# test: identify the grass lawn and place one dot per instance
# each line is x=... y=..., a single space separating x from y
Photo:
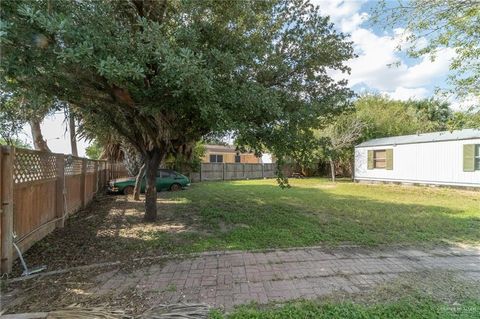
x=258 y=214
x=426 y=296
x=406 y=308
x=414 y=296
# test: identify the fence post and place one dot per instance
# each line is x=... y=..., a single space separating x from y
x=223 y=172
x=60 y=190
x=95 y=167
x=105 y=173
x=1 y=208
x=109 y=170
x=8 y=156
x=263 y=168
x=82 y=182
x=243 y=169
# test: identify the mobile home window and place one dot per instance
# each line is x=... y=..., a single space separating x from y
x=380 y=159
x=216 y=158
x=477 y=157
x=237 y=158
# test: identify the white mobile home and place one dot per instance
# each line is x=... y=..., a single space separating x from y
x=441 y=158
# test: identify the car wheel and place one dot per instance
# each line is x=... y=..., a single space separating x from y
x=175 y=187
x=128 y=190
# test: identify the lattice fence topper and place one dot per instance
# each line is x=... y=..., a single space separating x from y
x=30 y=166
x=90 y=166
x=73 y=166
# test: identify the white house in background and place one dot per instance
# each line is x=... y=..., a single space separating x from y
x=440 y=158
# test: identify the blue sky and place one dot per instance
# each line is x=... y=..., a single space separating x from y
x=376 y=47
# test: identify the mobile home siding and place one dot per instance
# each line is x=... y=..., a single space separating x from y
x=440 y=162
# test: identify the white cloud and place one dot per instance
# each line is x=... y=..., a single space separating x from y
x=425 y=71
x=344 y=14
x=403 y=93
x=375 y=53
x=376 y=65
x=379 y=65
x=349 y=25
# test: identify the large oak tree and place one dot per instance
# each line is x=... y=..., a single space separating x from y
x=162 y=74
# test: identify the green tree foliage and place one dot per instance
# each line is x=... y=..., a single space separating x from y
x=435 y=24
x=468 y=119
x=337 y=140
x=162 y=74
x=11 y=119
x=19 y=107
x=189 y=164
x=433 y=112
x=15 y=142
x=94 y=150
x=383 y=116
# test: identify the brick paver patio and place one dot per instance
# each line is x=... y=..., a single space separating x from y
x=231 y=278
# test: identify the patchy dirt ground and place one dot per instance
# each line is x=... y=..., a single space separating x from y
x=110 y=229
x=70 y=289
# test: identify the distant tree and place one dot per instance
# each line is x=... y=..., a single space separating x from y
x=215 y=140
x=17 y=108
x=338 y=139
x=15 y=142
x=436 y=113
x=462 y=120
x=94 y=150
x=163 y=74
x=431 y=25
x=11 y=119
x=187 y=164
x=384 y=116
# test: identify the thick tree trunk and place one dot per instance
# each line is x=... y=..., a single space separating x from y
x=152 y=161
x=332 y=168
x=138 y=182
x=73 y=134
x=38 y=142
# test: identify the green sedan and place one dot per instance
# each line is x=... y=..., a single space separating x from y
x=166 y=180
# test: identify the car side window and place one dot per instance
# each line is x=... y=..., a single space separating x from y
x=164 y=174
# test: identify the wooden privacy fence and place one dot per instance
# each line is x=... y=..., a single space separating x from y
x=230 y=171
x=38 y=190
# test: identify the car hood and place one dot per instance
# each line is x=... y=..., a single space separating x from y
x=123 y=179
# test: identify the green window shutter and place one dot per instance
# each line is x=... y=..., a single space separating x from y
x=370 y=159
x=389 y=164
x=468 y=157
